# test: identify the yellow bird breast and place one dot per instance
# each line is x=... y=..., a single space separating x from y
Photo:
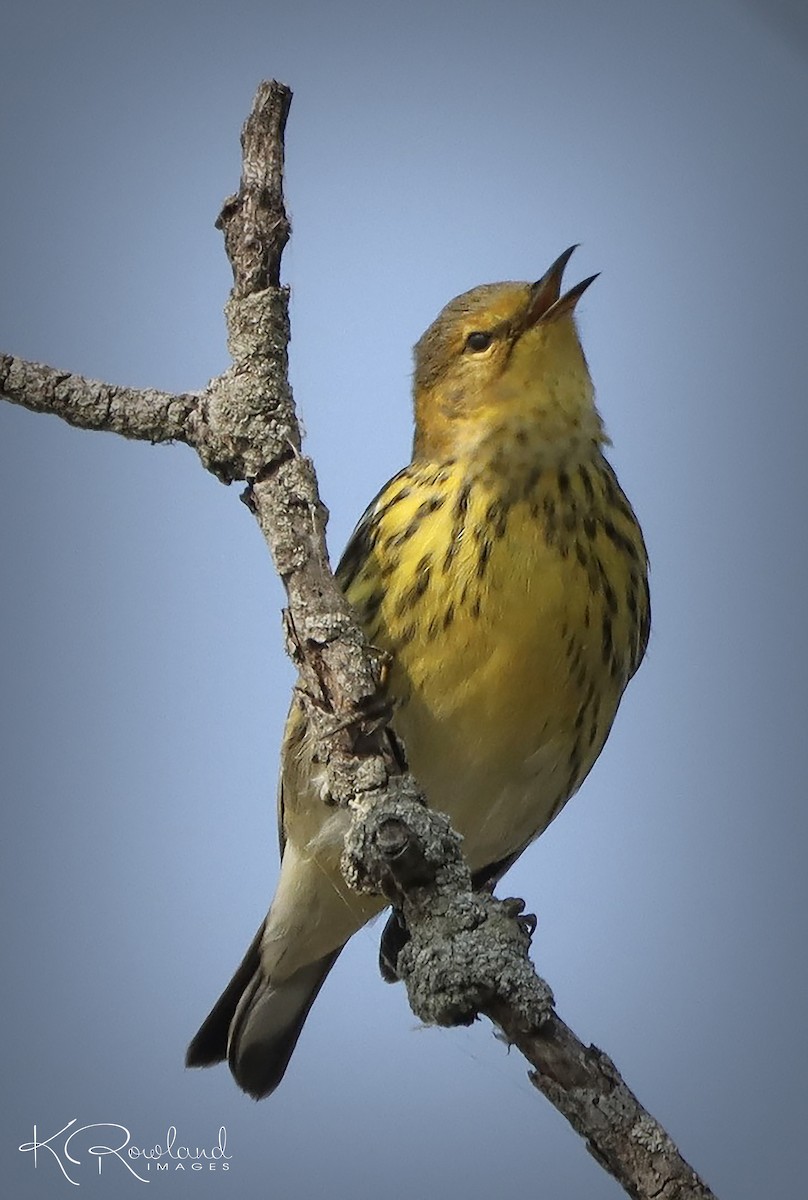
x=508 y=615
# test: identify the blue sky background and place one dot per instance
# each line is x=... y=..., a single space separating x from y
x=431 y=147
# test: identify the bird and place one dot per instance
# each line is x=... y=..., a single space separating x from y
x=505 y=575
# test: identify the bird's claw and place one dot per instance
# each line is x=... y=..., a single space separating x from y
x=527 y=921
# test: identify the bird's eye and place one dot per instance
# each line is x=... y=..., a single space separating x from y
x=477 y=341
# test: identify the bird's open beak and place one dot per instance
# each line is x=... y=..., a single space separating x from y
x=546 y=302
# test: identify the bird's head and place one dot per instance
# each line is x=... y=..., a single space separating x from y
x=503 y=364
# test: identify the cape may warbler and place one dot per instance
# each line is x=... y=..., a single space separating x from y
x=506 y=575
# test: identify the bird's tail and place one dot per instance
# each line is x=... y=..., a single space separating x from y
x=256 y=1022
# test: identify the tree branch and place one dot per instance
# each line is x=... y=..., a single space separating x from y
x=88 y=404
x=585 y=1086
x=468 y=952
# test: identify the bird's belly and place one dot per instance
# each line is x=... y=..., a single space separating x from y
x=502 y=774
x=504 y=717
